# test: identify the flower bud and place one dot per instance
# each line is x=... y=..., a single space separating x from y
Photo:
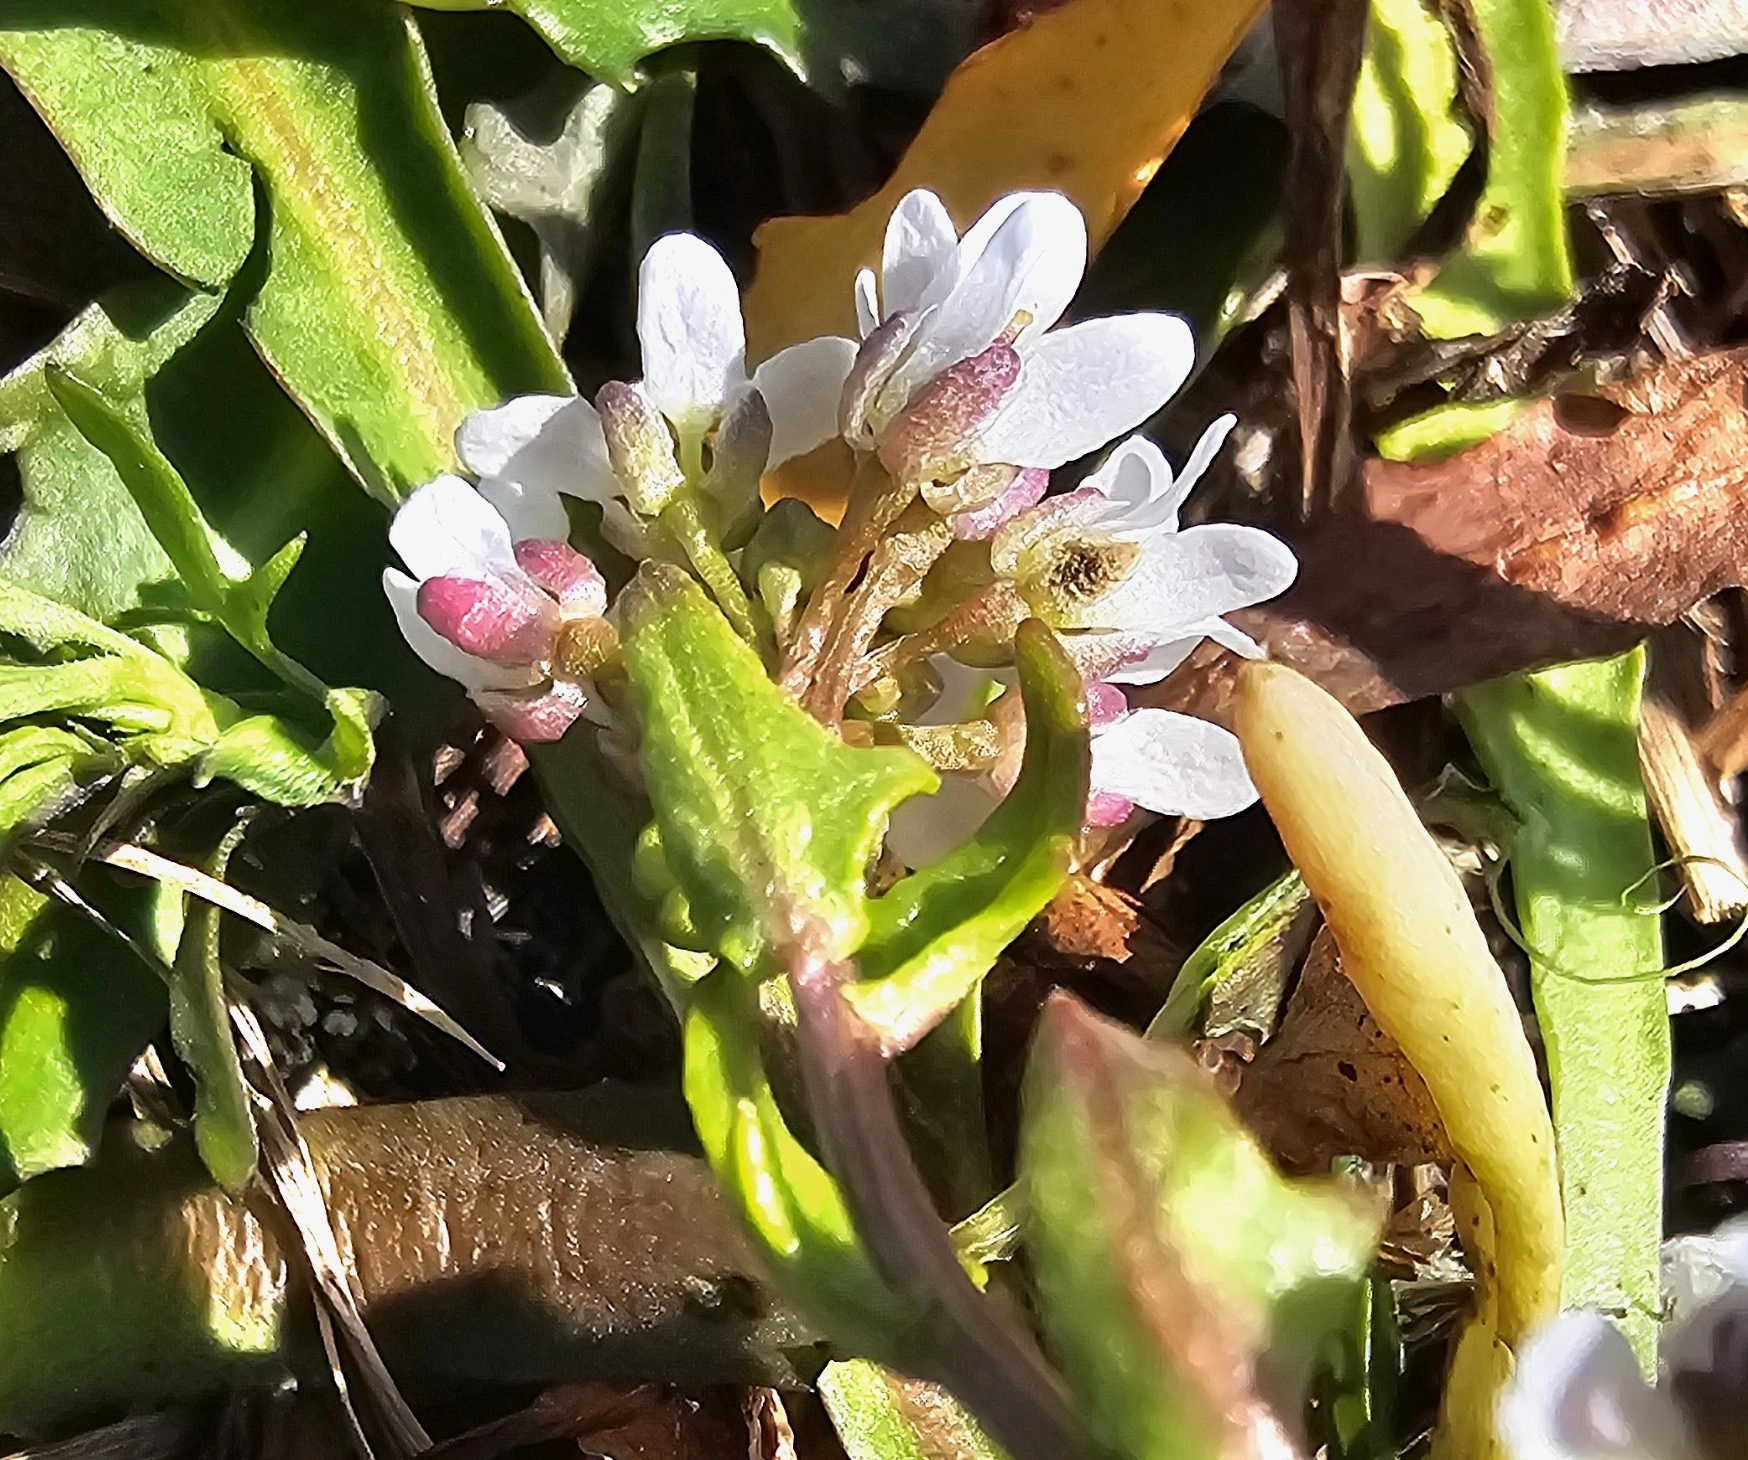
x=505 y=622
x=868 y=373
x=932 y=434
x=534 y=717
x=639 y=447
x=739 y=454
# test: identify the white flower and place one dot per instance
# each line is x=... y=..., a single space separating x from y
x=1133 y=593
x=970 y=319
x=516 y=621
x=533 y=448
x=1170 y=764
x=1578 y=1394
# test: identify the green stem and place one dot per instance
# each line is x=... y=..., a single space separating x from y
x=1561 y=748
x=685 y=523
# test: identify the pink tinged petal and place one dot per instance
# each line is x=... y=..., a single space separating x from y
x=1186 y=577
x=867 y=303
x=536 y=717
x=689 y=326
x=447 y=527
x=925 y=828
x=505 y=622
x=1577 y=1392
x=1024 y=493
x=1088 y=384
x=1126 y=658
x=934 y=430
x=1172 y=764
x=803 y=387
x=567 y=575
x=921 y=245
x=1105 y=704
x=1104 y=809
x=1028 y=264
x=437 y=652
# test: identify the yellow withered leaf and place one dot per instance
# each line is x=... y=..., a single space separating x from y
x=1086 y=99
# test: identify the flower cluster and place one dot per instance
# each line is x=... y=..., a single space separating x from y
x=962 y=395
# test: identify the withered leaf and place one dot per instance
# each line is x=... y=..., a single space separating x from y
x=1567 y=535
x=1332 y=1083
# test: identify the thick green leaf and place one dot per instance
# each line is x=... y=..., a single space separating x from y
x=880 y=1415
x=1159 y=1229
x=764 y=815
x=934 y=935
x=79 y=538
x=1561 y=748
x=273 y=760
x=386 y=304
x=789 y=1202
x=200 y=1028
x=75 y=1011
x=608 y=40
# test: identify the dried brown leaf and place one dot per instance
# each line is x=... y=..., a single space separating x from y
x=1332 y=1083
x=1567 y=535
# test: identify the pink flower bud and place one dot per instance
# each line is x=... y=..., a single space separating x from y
x=1105 y=704
x=504 y=622
x=935 y=431
x=566 y=574
x=1104 y=809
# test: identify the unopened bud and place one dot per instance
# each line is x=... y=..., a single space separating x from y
x=933 y=434
x=507 y=623
x=566 y=574
x=739 y=453
x=868 y=372
x=1105 y=704
x=639 y=446
x=585 y=647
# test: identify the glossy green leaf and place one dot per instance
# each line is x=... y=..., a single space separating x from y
x=880 y=1415
x=935 y=934
x=79 y=538
x=608 y=40
x=75 y=1012
x=386 y=302
x=763 y=813
x=1158 y=1226
x=789 y=1202
x=1561 y=748
x=200 y=1028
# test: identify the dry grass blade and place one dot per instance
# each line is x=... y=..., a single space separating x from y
x=191 y=880
x=291 y=1171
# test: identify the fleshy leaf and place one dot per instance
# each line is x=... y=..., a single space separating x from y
x=388 y=305
x=75 y=1011
x=763 y=812
x=200 y=1028
x=880 y=1415
x=934 y=935
x=1170 y=1255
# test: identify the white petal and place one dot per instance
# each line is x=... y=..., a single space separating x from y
x=447 y=527
x=540 y=445
x=867 y=303
x=689 y=325
x=803 y=387
x=1085 y=385
x=1156 y=663
x=921 y=244
x=1199 y=573
x=487 y=440
x=1134 y=474
x=437 y=652
x=925 y=828
x=1577 y=1393
x=529 y=513
x=1030 y=261
x=1176 y=765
